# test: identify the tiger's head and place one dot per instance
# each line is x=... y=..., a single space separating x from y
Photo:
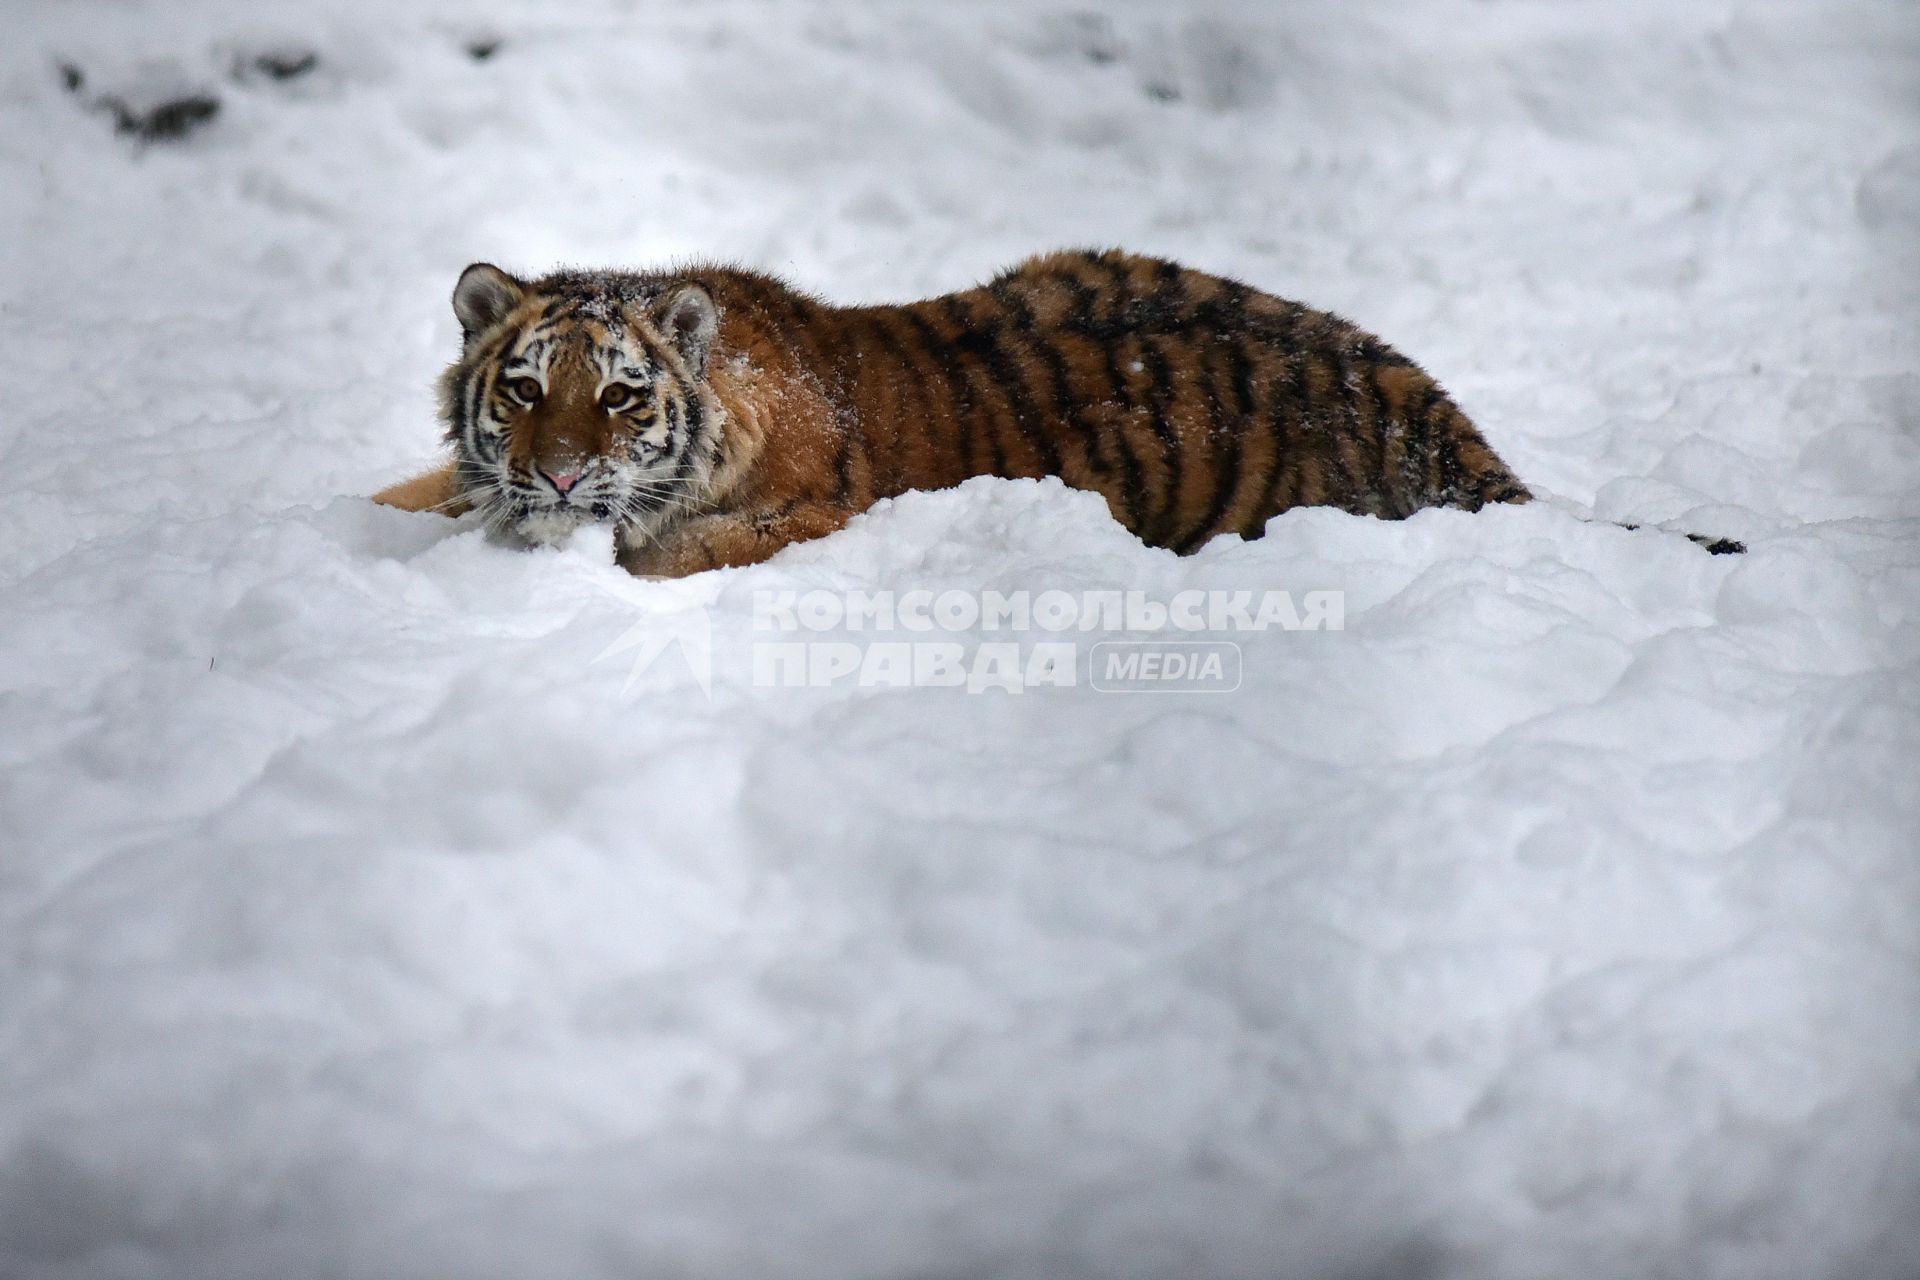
x=581 y=397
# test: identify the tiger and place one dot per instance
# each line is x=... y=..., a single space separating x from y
x=714 y=415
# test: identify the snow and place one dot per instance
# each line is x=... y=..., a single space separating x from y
x=365 y=912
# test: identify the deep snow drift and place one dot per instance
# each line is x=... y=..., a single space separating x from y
x=1560 y=916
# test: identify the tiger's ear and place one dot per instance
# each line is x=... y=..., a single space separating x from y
x=483 y=297
x=688 y=319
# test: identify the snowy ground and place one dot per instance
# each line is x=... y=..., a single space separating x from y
x=1559 y=917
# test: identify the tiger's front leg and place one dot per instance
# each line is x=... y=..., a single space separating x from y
x=729 y=540
x=435 y=491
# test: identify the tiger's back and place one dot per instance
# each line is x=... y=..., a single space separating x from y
x=1193 y=404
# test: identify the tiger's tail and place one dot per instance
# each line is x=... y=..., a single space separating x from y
x=1715 y=546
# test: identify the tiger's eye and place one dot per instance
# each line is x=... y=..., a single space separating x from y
x=616 y=396
x=526 y=390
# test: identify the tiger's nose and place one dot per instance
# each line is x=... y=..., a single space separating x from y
x=561 y=480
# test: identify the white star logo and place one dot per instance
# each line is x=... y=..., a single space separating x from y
x=674 y=615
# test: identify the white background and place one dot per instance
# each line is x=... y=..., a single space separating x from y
x=1559 y=917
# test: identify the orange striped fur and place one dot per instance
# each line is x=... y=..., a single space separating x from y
x=716 y=415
